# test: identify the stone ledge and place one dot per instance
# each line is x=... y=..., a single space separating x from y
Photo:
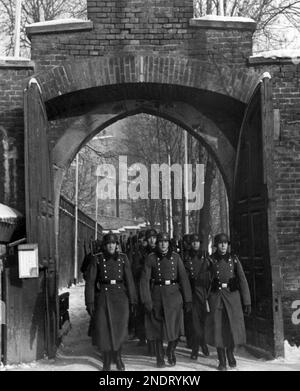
x=59 y=26
x=281 y=56
x=16 y=63
x=223 y=22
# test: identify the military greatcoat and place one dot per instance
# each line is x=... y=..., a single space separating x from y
x=197 y=267
x=164 y=287
x=110 y=276
x=229 y=290
x=138 y=261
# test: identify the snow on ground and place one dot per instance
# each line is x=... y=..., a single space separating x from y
x=77 y=353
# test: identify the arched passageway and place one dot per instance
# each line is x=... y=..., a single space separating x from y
x=68 y=105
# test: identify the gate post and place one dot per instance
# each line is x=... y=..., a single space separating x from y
x=269 y=179
x=40 y=206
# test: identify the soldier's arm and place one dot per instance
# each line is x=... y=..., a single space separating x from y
x=91 y=275
x=244 y=287
x=129 y=281
x=145 y=282
x=184 y=281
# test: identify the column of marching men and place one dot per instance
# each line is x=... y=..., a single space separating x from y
x=157 y=290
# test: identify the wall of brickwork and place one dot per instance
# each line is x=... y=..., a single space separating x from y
x=286 y=100
x=13 y=75
x=165 y=28
x=150 y=27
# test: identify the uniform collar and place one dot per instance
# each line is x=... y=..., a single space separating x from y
x=167 y=255
x=220 y=257
x=193 y=253
x=114 y=256
x=149 y=249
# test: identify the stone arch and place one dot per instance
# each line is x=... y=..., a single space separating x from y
x=115 y=87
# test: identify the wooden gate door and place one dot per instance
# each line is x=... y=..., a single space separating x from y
x=40 y=207
x=253 y=214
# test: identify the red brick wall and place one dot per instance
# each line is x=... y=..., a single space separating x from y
x=150 y=27
x=287 y=164
x=286 y=96
x=12 y=84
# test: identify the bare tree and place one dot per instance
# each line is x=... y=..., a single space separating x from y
x=36 y=11
x=268 y=14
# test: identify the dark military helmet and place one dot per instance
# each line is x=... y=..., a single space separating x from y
x=186 y=238
x=110 y=238
x=195 y=238
x=163 y=236
x=221 y=238
x=150 y=232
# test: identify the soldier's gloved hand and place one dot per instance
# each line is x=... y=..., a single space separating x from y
x=188 y=307
x=148 y=307
x=247 y=309
x=90 y=309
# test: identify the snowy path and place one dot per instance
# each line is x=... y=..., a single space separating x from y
x=77 y=354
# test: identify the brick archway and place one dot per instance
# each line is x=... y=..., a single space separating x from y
x=80 y=88
x=88 y=95
x=128 y=69
x=82 y=98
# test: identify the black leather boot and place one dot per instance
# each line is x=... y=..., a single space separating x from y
x=160 y=354
x=195 y=352
x=171 y=353
x=119 y=363
x=106 y=361
x=230 y=357
x=151 y=348
x=205 y=350
x=222 y=359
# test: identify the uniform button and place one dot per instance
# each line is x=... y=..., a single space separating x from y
x=220 y=288
x=106 y=289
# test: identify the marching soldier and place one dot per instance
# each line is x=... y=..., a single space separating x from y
x=110 y=274
x=95 y=248
x=225 y=327
x=163 y=283
x=197 y=267
x=138 y=261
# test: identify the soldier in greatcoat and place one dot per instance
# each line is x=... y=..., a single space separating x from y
x=109 y=273
x=197 y=266
x=225 y=327
x=138 y=261
x=164 y=287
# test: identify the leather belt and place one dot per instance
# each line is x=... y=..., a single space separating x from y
x=165 y=282
x=111 y=282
